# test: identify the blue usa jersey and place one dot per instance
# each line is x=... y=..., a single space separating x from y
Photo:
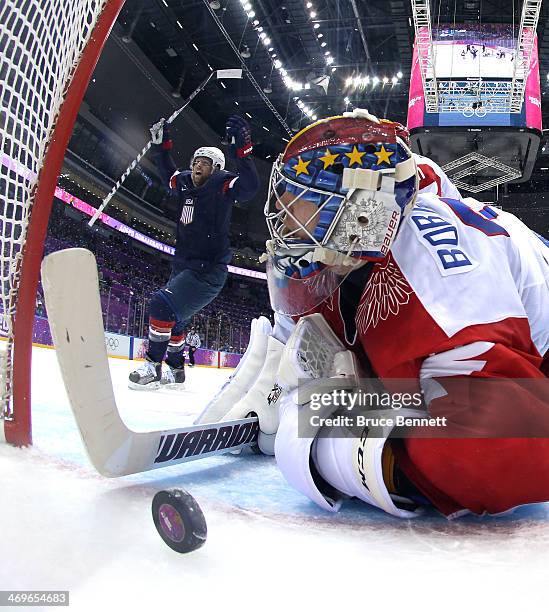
x=204 y=213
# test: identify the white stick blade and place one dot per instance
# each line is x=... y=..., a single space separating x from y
x=71 y=291
x=230 y=73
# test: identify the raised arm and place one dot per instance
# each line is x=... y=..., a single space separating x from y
x=161 y=152
x=246 y=185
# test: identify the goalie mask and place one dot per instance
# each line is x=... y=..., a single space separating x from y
x=337 y=197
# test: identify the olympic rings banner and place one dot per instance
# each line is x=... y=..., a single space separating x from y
x=117 y=345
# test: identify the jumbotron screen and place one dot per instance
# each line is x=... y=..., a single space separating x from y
x=479 y=51
x=466 y=55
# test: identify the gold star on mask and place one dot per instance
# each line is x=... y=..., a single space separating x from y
x=328 y=159
x=355 y=156
x=383 y=156
x=301 y=167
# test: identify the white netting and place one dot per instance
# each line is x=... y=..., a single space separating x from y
x=41 y=42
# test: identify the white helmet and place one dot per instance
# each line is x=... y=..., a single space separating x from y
x=212 y=153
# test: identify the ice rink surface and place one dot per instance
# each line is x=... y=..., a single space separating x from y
x=65 y=527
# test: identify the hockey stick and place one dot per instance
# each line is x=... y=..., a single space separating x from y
x=231 y=73
x=71 y=290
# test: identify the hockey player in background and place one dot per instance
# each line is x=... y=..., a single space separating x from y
x=389 y=282
x=205 y=195
x=192 y=342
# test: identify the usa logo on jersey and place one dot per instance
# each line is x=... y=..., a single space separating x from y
x=187 y=211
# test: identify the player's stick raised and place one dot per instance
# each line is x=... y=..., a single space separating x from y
x=231 y=73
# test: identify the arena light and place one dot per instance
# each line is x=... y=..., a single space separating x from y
x=313 y=15
x=264 y=37
x=359 y=81
x=399 y=75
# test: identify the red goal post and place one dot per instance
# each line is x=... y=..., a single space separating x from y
x=48 y=51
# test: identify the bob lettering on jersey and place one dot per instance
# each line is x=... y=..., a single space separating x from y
x=442 y=241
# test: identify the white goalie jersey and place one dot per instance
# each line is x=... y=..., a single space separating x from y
x=433 y=179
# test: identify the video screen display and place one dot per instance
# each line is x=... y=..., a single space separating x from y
x=474 y=66
x=475 y=51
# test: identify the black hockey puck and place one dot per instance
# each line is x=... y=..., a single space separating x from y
x=179 y=520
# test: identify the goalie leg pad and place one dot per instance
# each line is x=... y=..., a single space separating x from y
x=262 y=398
x=353 y=466
x=242 y=379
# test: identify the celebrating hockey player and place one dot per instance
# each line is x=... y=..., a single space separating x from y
x=403 y=285
x=205 y=195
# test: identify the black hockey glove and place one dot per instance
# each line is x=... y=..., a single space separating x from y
x=239 y=135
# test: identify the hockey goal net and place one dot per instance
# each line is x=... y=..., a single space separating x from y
x=48 y=50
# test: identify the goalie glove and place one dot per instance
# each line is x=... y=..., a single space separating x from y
x=239 y=136
x=160 y=134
